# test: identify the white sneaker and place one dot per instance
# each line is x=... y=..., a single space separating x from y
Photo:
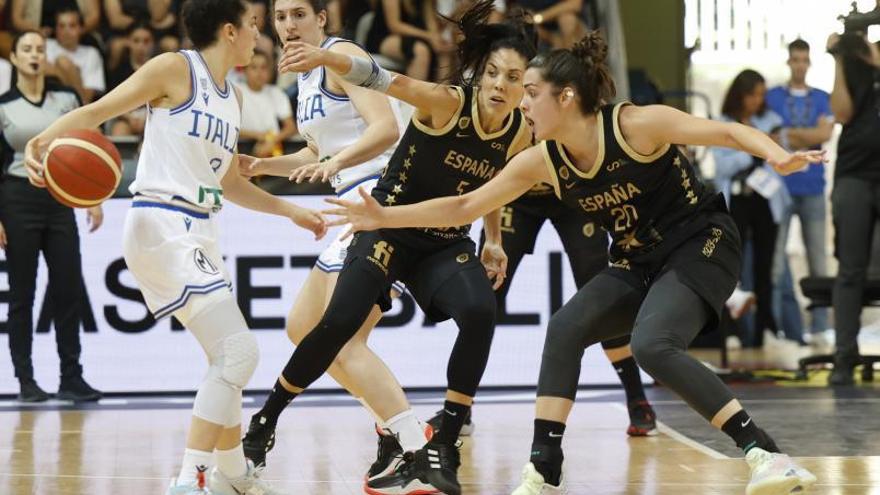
x=739 y=302
x=185 y=489
x=776 y=474
x=533 y=483
x=249 y=484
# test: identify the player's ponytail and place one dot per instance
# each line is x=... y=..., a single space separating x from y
x=479 y=39
x=583 y=68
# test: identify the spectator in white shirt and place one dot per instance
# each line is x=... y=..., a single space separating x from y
x=78 y=66
x=267 y=116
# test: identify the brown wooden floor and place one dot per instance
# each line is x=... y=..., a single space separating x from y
x=325 y=450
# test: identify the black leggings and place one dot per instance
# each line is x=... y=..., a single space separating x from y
x=466 y=297
x=662 y=319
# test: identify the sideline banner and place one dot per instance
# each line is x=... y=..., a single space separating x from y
x=125 y=350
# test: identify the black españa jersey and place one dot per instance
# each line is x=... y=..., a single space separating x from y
x=642 y=201
x=460 y=157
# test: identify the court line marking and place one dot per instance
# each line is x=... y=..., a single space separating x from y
x=675 y=435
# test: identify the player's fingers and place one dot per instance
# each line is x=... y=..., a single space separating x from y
x=339 y=202
x=337 y=222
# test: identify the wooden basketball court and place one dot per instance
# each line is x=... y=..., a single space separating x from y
x=133 y=446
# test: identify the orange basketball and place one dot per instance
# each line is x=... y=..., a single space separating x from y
x=82 y=168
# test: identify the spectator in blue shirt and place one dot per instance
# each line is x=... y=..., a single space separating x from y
x=807 y=122
x=754 y=192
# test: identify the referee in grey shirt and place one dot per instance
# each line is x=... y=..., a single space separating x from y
x=32 y=221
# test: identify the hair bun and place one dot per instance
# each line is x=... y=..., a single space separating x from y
x=592 y=49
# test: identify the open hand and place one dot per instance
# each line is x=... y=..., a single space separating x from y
x=314 y=172
x=365 y=215
x=300 y=57
x=796 y=161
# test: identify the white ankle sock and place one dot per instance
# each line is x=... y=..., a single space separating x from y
x=410 y=433
x=231 y=462
x=191 y=459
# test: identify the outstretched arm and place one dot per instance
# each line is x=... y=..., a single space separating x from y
x=150 y=83
x=655 y=125
x=243 y=193
x=435 y=101
x=523 y=172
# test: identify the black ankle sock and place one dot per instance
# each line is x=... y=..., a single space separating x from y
x=548 y=433
x=628 y=373
x=547 y=450
x=746 y=433
x=454 y=416
x=278 y=399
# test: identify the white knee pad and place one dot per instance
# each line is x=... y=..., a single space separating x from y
x=233 y=356
x=239 y=359
x=233 y=361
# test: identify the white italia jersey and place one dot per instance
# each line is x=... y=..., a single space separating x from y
x=332 y=123
x=187 y=149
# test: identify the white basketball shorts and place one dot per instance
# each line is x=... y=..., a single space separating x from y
x=171 y=250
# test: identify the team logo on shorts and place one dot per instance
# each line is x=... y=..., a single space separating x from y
x=462 y=258
x=382 y=255
x=203 y=263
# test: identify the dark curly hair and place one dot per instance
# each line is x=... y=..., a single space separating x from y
x=202 y=19
x=481 y=39
x=581 y=67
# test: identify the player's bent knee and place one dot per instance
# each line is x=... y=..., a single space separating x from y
x=650 y=352
x=240 y=357
x=563 y=337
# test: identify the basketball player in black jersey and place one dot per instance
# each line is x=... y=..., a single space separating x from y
x=586 y=246
x=459 y=138
x=674 y=255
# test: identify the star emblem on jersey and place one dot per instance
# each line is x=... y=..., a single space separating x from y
x=390 y=199
x=403 y=177
x=407 y=163
x=412 y=149
x=677 y=161
x=203 y=263
x=398 y=189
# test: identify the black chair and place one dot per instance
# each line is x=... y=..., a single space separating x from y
x=818 y=290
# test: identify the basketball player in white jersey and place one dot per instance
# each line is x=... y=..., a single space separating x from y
x=351 y=133
x=170 y=238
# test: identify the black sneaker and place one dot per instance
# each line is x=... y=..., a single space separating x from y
x=842 y=375
x=77 y=390
x=31 y=392
x=389 y=455
x=431 y=469
x=467 y=429
x=258 y=441
x=642 y=420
